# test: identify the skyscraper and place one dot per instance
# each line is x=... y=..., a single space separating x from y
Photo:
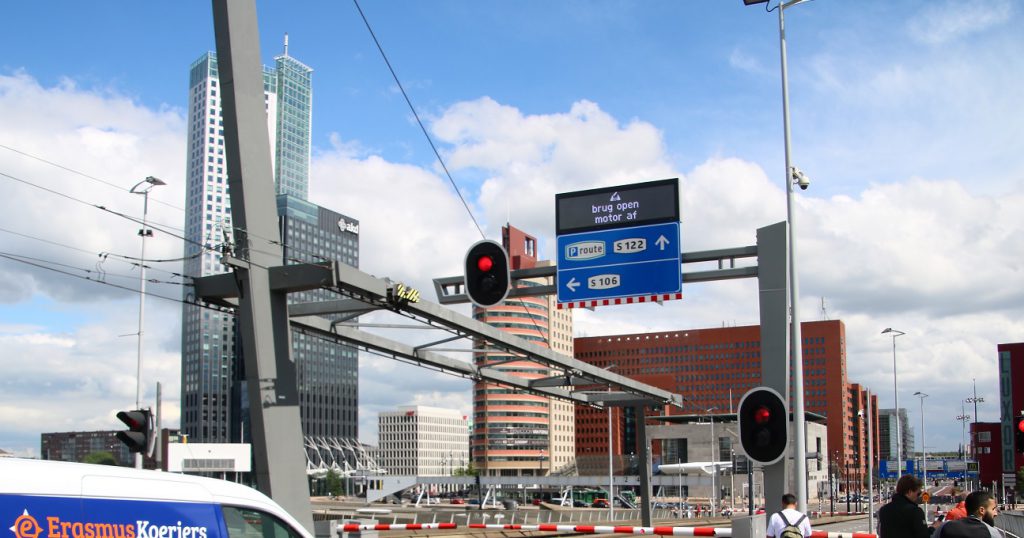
x=213 y=396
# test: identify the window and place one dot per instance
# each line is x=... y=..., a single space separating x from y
x=250 y=523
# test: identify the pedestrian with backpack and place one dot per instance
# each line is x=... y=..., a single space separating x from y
x=788 y=522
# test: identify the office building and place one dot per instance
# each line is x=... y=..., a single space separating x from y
x=515 y=433
x=213 y=396
x=887 y=436
x=712 y=369
x=422 y=441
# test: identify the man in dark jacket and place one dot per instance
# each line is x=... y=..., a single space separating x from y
x=902 y=517
x=980 y=521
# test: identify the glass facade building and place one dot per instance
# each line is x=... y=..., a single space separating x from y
x=213 y=397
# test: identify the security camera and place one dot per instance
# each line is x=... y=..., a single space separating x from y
x=801 y=178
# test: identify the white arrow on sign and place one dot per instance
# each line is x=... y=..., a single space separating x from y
x=615 y=197
x=572 y=284
x=662 y=242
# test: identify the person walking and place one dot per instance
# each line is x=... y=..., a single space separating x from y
x=980 y=521
x=788 y=522
x=902 y=517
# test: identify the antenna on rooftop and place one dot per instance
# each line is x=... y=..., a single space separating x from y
x=824 y=310
x=286 y=43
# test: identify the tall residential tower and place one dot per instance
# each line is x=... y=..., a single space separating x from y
x=213 y=398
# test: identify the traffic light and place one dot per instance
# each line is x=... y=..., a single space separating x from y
x=764 y=425
x=487 y=277
x=137 y=435
x=1020 y=434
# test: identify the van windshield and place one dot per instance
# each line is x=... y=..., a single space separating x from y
x=250 y=523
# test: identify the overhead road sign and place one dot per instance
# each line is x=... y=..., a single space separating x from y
x=617 y=207
x=618 y=245
x=619 y=263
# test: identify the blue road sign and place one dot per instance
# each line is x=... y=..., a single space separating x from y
x=621 y=262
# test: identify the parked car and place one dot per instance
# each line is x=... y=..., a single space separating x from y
x=579 y=504
x=473 y=502
x=458 y=500
x=600 y=503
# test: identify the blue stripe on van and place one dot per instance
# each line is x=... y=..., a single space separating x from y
x=36 y=516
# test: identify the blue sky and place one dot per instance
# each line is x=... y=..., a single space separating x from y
x=906 y=115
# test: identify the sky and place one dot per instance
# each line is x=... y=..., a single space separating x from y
x=906 y=116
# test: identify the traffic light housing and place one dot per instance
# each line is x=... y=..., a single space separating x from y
x=487 y=276
x=1020 y=434
x=136 y=438
x=763 y=420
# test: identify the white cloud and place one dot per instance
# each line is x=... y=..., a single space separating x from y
x=940 y=22
x=739 y=59
x=931 y=254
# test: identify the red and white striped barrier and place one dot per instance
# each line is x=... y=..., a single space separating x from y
x=608 y=529
x=824 y=534
x=354 y=527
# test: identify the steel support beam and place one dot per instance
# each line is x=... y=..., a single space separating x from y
x=278 y=453
x=772 y=286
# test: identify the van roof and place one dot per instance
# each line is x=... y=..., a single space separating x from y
x=57 y=478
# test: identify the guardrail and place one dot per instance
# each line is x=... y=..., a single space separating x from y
x=580 y=529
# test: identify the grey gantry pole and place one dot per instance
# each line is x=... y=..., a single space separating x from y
x=278 y=452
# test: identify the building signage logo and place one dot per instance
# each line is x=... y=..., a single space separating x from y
x=346 y=226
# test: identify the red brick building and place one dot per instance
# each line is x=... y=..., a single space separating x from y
x=712 y=369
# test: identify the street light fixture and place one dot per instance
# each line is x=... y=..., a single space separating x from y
x=896 y=401
x=793 y=175
x=974 y=435
x=924 y=454
x=146 y=186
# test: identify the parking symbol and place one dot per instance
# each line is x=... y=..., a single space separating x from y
x=573 y=252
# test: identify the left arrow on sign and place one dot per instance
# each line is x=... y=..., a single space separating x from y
x=572 y=284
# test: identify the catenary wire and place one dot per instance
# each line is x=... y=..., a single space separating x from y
x=131 y=260
x=80 y=173
x=101 y=275
x=418 y=121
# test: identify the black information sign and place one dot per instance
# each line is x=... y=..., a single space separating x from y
x=617 y=207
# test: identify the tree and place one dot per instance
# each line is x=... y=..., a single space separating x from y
x=333 y=482
x=100 y=458
x=468 y=470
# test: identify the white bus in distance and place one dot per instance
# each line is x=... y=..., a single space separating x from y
x=50 y=499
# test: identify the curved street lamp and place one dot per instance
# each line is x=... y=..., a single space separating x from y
x=924 y=454
x=146 y=186
x=896 y=401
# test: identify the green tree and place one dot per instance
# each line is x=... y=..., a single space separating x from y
x=468 y=470
x=333 y=482
x=100 y=458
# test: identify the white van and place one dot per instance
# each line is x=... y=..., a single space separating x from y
x=49 y=499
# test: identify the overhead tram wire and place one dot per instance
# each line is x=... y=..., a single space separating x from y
x=160 y=227
x=150 y=223
x=80 y=173
x=418 y=120
x=131 y=260
x=102 y=275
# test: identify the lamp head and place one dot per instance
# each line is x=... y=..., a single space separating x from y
x=154 y=180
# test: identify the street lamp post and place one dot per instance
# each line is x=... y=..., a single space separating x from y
x=974 y=436
x=795 y=341
x=147 y=185
x=714 y=465
x=924 y=453
x=963 y=417
x=896 y=401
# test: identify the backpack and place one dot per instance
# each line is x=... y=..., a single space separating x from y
x=791 y=530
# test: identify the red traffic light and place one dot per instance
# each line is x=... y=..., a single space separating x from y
x=484 y=263
x=1020 y=425
x=762 y=415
